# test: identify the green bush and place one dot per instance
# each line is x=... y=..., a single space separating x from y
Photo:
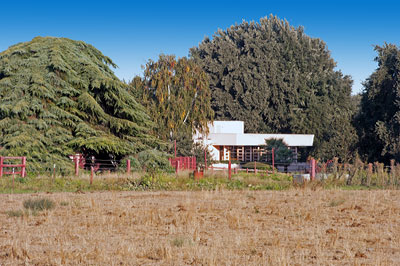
x=259 y=166
x=149 y=160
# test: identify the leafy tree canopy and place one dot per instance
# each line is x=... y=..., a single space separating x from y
x=279 y=80
x=177 y=96
x=59 y=96
x=282 y=153
x=379 y=118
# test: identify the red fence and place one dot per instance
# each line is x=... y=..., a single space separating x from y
x=181 y=163
x=22 y=166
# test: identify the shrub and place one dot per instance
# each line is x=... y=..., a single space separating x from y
x=149 y=160
x=259 y=166
x=39 y=204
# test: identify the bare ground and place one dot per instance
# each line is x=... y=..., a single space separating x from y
x=299 y=226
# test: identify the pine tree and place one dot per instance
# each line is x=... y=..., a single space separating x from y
x=58 y=97
x=279 y=80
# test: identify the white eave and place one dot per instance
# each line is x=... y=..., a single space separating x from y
x=245 y=139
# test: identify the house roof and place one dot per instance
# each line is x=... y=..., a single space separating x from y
x=231 y=133
x=244 y=139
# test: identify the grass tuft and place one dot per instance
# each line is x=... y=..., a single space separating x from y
x=39 y=204
x=13 y=213
x=178 y=242
x=64 y=203
x=336 y=202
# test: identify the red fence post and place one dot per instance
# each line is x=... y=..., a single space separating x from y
x=312 y=169
x=188 y=163
x=177 y=166
x=13 y=175
x=128 y=166
x=273 y=160
x=175 y=147
x=76 y=164
x=247 y=170
x=205 y=158
x=370 y=168
x=370 y=171
x=229 y=169
x=23 y=168
x=1 y=165
x=255 y=167
x=91 y=174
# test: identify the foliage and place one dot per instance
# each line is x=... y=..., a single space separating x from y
x=186 y=147
x=39 y=204
x=176 y=94
x=58 y=97
x=184 y=144
x=379 y=118
x=146 y=181
x=361 y=178
x=279 y=80
x=15 y=213
x=198 y=152
x=149 y=160
x=153 y=160
x=282 y=153
x=259 y=166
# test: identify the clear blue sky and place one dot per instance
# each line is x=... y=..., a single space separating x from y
x=132 y=32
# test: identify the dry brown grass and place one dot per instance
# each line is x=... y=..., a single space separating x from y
x=299 y=226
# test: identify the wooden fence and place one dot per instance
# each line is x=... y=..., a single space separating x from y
x=183 y=163
x=5 y=168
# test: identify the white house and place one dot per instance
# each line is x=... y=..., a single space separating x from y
x=227 y=139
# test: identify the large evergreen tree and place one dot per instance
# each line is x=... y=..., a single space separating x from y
x=379 y=118
x=58 y=97
x=177 y=96
x=279 y=80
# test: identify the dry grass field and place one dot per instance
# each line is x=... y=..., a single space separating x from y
x=294 y=227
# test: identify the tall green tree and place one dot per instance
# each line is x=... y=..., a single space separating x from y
x=58 y=97
x=282 y=153
x=379 y=118
x=177 y=96
x=279 y=80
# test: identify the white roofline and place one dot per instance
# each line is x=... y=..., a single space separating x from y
x=250 y=139
x=231 y=133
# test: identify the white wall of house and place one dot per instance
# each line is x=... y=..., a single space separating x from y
x=227 y=127
x=214 y=152
x=231 y=133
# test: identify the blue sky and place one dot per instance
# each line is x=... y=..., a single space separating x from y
x=132 y=32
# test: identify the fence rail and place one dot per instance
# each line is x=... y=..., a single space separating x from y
x=3 y=166
x=183 y=163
